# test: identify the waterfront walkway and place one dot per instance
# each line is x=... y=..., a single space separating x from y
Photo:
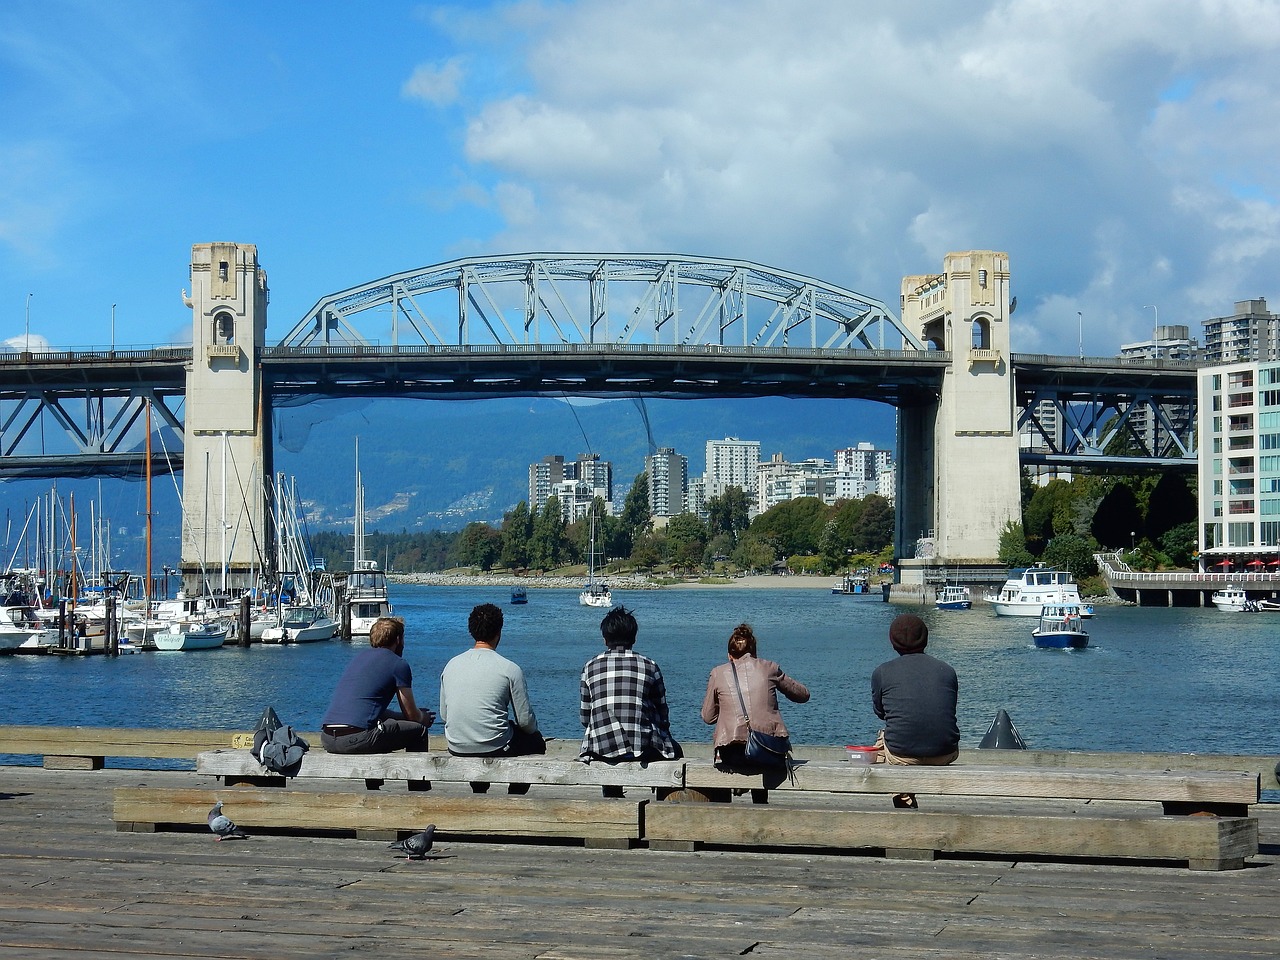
x=71 y=886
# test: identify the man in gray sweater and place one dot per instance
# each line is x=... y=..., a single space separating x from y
x=915 y=695
x=484 y=702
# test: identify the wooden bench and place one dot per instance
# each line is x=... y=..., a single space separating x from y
x=596 y=822
x=1127 y=824
x=86 y=748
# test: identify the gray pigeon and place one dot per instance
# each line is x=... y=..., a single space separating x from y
x=416 y=846
x=221 y=824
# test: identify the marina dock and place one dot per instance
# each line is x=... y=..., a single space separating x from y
x=73 y=885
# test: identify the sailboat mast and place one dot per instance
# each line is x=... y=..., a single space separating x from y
x=147 y=589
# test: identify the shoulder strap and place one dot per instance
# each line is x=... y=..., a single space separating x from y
x=742 y=703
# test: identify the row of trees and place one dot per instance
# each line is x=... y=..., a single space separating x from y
x=806 y=533
x=1065 y=523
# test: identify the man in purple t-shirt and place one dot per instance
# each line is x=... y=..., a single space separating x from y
x=358 y=719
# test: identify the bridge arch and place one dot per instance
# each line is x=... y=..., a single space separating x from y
x=601 y=299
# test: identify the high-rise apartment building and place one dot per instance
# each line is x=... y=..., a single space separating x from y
x=575 y=484
x=1251 y=333
x=668 y=474
x=1239 y=466
x=732 y=463
x=863 y=461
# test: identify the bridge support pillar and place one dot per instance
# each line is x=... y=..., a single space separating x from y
x=227 y=455
x=958 y=482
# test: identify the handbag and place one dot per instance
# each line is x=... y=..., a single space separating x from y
x=762 y=749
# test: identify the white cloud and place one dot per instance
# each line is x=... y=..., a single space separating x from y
x=436 y=84
x=1094 y=141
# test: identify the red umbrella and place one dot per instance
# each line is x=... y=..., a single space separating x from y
x=1274 y=563
x=1255 y=563
x=1224 y=564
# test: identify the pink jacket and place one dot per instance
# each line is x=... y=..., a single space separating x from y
x=760 y=681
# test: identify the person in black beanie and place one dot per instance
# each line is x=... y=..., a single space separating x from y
x=915 y=695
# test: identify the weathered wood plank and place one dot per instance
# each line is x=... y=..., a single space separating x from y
x=166 y=744
x=377 y=813
x=1204 y=842
x=1189 y=786
x=451 y=769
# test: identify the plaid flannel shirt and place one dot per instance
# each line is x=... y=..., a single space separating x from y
x=624 y=708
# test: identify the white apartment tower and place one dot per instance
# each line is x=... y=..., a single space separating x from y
x=668 y=474
x=732 y=463
x=1251 y=333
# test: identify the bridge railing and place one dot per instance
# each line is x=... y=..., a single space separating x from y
x=375 y=349
x=90 y=353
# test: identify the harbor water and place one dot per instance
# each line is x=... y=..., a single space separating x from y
x=1152 y=679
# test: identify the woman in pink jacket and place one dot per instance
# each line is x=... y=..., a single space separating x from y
x=759 y=681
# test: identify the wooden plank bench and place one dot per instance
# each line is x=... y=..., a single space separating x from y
x=1222 y=840
x=596 y=822
x=86 y=748
x=420 y=770
x=385 y=816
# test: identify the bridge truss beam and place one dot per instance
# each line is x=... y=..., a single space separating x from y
x=628 y=299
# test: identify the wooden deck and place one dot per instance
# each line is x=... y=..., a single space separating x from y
x=71 y=886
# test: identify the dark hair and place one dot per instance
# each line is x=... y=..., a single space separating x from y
x=485 y=622
x=742 y=640
x=619 y=627
x=387 y=632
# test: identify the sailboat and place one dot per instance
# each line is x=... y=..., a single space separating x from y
x=595 y=593
x=366 y=587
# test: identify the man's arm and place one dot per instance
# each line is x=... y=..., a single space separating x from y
x=409 y=709
x=520 y=706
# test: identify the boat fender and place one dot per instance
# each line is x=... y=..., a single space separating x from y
x=1002 y=735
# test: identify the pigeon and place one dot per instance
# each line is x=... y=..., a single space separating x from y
x=221 y=824
x=416 y=846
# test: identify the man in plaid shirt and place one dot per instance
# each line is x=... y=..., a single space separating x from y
x=624 y=701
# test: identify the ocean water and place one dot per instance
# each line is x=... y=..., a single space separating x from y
x=1152 y=679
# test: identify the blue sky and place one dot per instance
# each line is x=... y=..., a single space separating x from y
x=1123 y=154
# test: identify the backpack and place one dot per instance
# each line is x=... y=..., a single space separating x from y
x=276 y=746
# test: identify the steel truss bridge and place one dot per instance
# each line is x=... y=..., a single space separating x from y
x=584 y=325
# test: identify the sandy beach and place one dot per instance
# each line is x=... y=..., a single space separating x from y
x=756 y=582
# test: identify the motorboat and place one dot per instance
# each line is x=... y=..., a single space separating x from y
x=1061 y=627
x=952 y=596
x=519 y=595
x=858 y=586
x=1026 y=592
x=1231 y=599
x=302 y=624
x=206 y=635
x=366 y=597
x=22 y=631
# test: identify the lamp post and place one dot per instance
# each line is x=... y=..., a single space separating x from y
x=26 y=339
x=1133 y=540
x=113 y=329
x=1156 y=328
x=1080 y=318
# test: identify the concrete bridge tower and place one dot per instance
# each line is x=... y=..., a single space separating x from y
x=227 y=449
x=957 y=494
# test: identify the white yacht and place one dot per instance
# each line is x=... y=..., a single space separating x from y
x=1026 y=592
x=1231 y=598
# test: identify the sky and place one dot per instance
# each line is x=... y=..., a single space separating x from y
x=1123 y=154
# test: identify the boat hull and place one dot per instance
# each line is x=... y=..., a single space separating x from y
x=954 y=604
x=1060 y=640
x=194 y=639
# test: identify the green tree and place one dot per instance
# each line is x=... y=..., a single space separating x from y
x=1118 y=519
x=1013 y=550
x=517 y=527
x=1068 y=551
x=1171 y=505
x=729 y=513
x=831 y=547
x=546 y=545
x=792 y=527
x=636 y=517
x=686 y=538
x=1179 y=544
x=753 y=553
x=478 y=545
x=874 y=527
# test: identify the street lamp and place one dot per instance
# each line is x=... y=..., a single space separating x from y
x=1156 y=328
x=26 y=340
x=113 y=330
x=1133 y=540
x=1080 y=318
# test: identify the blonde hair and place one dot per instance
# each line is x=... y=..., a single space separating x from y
x=387 y=632
x=742 y=641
